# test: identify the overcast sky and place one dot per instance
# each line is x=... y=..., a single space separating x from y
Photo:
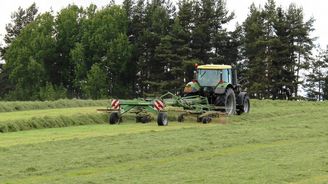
x=315 y=8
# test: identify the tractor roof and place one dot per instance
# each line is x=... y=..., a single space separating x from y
x=214 y=67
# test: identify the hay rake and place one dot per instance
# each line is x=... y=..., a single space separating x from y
x=189 y=105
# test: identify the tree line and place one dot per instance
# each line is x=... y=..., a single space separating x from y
x=143 y=48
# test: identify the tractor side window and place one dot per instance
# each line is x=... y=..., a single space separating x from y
x=226 y=75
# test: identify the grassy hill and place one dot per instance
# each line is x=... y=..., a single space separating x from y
x=278 y=142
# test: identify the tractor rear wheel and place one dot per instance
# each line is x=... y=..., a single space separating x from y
x=114 y=118
x=245 y=107
x=162 y=119
x=228 y=100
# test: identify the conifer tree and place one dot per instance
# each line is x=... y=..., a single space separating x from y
x=315 y=80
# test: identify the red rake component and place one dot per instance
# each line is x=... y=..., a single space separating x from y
x=115 y=104
x=159 y=105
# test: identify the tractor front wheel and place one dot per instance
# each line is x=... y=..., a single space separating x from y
x=245 y=107
x=162 y=119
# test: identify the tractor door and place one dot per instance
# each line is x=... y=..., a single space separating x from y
x=227 y=76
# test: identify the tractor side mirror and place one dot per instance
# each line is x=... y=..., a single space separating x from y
x=195 y=74
x=234 y=76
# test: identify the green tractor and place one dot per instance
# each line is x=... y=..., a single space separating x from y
x=218 y=83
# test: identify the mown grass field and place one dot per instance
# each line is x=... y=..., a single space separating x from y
x=278 y=142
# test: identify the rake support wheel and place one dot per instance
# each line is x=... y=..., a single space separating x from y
x=162 y=119
x=114 y=118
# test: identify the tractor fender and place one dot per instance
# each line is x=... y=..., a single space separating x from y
x=221 y=88
x=240 y=98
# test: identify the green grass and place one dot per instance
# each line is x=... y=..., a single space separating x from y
x=278 y=142
x=10 y=106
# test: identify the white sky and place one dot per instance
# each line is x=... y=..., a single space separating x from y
x=312 y=8
x=315 y=8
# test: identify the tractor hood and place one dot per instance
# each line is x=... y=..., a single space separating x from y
x=192 y=87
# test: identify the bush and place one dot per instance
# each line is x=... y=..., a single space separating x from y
x=96 y=86
x=49 y=92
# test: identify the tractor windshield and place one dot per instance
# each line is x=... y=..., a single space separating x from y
x=209 y=77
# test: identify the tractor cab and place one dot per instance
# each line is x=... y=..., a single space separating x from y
x=212 y=75
x=211 y=79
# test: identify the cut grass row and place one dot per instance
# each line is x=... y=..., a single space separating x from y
x=54 y=118
x=10 y=106
x=276 y=143
x=49 y=118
